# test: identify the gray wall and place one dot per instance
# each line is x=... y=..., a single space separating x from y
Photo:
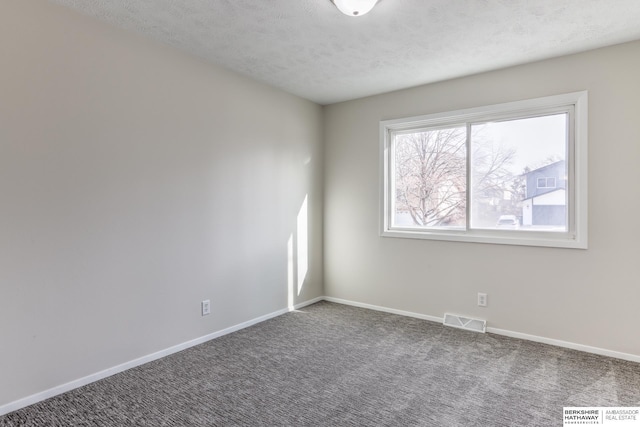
x=588 y=297
x=136 y=181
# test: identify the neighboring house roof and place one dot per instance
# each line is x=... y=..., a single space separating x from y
x=555 y=170
x=549 y=166
x=546 y=193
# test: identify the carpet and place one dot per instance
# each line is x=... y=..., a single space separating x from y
x=334 y=365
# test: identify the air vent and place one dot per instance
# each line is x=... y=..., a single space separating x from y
x=467 y=323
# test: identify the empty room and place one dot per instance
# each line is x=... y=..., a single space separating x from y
x=319 y=213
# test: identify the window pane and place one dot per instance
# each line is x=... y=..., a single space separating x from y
x=525 y=180
x=519 y=174
x=429 y=178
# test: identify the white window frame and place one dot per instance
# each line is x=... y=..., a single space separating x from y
x=575 y=104
x=546 y=182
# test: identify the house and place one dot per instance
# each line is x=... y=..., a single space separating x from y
x=137 y=181
x=545 y=202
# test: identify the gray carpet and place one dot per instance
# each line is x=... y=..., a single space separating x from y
x=335 y=365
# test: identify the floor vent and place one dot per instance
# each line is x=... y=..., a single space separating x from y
x=475 y=325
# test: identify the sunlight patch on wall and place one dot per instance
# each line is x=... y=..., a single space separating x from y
x=298 y=254
x=290 y=274
x=303 y=244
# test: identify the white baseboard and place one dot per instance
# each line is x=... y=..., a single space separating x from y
x=46 y=394
x=384 y=309
x=63 y=388
x=512 y=334
x=567 y=344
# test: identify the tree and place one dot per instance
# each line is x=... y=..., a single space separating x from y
x=493 y=191
x=431 y=175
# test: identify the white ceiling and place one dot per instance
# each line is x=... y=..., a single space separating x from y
x=308 y=48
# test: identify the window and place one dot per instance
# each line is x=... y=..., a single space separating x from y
x=511 y=173
x=546 y=183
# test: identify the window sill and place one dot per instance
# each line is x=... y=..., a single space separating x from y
x=517 y=238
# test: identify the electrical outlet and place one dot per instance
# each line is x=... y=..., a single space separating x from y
x=482 y=299
x=206 y=307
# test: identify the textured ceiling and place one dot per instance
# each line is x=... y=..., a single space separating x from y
x=308 y=48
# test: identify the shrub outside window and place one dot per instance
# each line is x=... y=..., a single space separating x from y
x=511 y=173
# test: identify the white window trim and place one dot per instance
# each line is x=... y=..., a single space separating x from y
x=546 y=182
x=575 y=237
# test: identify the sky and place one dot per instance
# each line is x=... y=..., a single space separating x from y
x=534 y=139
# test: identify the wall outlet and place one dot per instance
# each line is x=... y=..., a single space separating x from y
x=482 y=299
x=206 y=307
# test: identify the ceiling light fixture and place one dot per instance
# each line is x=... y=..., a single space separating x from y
x=354 y=7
